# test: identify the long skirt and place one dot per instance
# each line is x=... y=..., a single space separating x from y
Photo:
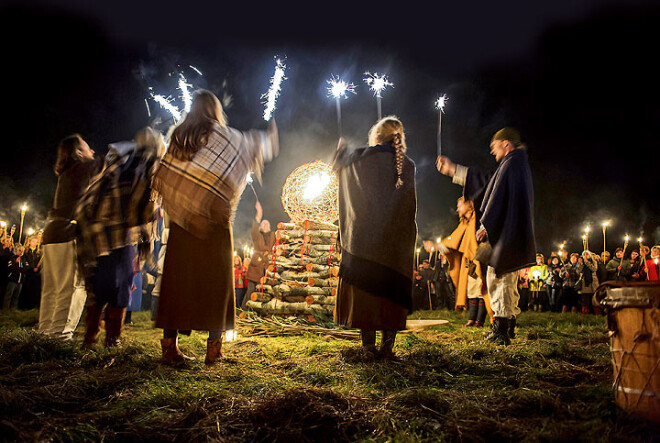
x=197 y=288
x=360 y=309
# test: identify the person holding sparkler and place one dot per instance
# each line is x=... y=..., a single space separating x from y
x=62 y=289
x=377 y=207
x=115 y=218
x=263 y=240
x=505 y=200
x=201 y=179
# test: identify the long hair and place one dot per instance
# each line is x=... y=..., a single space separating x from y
x=66 y=153
x=193 y=132
x=390 y=129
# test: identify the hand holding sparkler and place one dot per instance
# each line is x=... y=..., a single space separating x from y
x=445 y=166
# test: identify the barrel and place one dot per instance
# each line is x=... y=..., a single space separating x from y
x=633 y=319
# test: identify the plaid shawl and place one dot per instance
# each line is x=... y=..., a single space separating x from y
x=117 y=209
x=200 y=194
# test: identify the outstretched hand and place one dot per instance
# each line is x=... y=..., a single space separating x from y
x=260 y=211
x=445 y=166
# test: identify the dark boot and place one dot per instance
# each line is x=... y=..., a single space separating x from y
x=387 y=345
x=114 y=321
x=171 y=352
x=368 y=340
x=512 y=327
x=500 y=333
x=213 y=351
x=93 y=325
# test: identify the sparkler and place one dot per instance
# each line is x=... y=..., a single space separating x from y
x=274 y=90
x=377 y=83
x=185 y=92
x=249 y=180
x=440 y=106
x=166 y=103
x=338 y=89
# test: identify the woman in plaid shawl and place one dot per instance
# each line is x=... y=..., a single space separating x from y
x=201 y=179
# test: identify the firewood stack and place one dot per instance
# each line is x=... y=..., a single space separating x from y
x=301 y=278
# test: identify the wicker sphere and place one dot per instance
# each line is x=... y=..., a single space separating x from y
x=310 y=193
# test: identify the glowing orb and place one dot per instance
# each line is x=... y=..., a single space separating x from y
x=310 y=193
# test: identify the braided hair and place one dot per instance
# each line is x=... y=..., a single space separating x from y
x=390 y=129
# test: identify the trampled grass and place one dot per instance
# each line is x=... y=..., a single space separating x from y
x=553 y=383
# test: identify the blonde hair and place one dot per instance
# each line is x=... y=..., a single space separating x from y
x=390 y=129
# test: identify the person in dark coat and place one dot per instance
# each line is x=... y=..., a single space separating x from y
x=16 y=271
x=505 y=198
x=31 y=294
x=377 y=209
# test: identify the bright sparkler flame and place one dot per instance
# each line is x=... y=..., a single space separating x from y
x=441 y=102
x=315 y=186
x=30 y=231
x=24 y=208
x=377 y=82
x=3 y=224
x=338 y=87
x=248 y=178
x=165 y=103
x=627 y=238
x=185 y=92
x=274 y=90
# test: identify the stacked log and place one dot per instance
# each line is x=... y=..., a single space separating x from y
x=302 y=276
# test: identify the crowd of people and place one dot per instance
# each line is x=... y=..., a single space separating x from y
x=561 y=283
x=149 y=228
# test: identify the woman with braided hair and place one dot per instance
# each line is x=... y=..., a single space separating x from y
x=377 y=208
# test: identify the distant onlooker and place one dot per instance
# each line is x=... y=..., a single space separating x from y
x=15 y=277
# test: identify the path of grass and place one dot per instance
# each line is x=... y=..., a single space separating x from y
x=553 y=383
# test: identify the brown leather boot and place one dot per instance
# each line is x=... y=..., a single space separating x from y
x=171 y=352
x=213 y=351
x=93 y=325
x=114 y=321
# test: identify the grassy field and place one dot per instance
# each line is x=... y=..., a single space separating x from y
x=553 y=383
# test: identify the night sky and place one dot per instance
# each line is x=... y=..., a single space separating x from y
x=578 y=80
